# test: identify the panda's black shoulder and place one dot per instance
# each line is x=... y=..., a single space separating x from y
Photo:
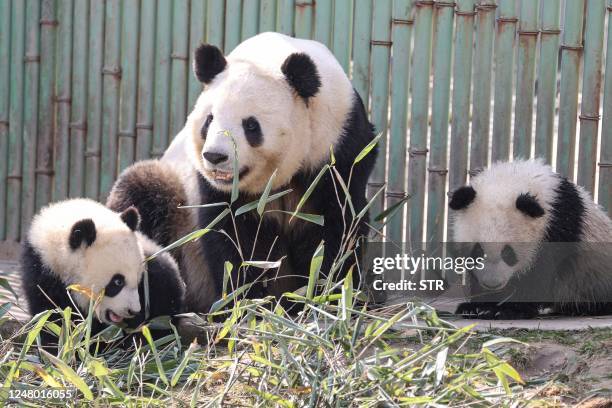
x=37 y=277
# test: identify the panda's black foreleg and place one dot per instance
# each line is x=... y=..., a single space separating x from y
x=497 y=311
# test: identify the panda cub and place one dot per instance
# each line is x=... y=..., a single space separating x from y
x=80 y=241
x=278 y=106
x=510 y=213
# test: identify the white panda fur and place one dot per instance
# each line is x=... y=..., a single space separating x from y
x=304 y=105
x=80 y=241
x=526 y=202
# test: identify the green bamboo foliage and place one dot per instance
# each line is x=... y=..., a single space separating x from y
x=591 y=91
x=571 y=50
x=94 y=99
x=44 y=148
x=547 y=80
x=605 y=159
x=523 y=119
x=483 y=65
x=303 y=18
x=419 y=119
x=437 y=169
x=30 y=112
x=504 y=64
x=5 y=55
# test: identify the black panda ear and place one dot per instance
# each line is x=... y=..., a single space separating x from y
x=82 y=231
x=529 y=205
x=208 y=61
x=301 y=73
x=462 y=197
x=131 y=217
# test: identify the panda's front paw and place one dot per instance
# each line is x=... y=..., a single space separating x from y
x=477 y=310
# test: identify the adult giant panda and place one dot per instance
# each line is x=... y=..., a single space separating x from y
x=511 y=213
x=278 y=105
x=81 y=242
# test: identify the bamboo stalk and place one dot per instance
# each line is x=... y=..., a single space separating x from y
x=94 y=100
x=44 y=149
x=547 y=80
x=362 y=34
x=341 y=43
x=30 y=113
x=16 y=115
x=267 y=15
x=146 y=75
x=5 y=55
x=303 y=18
x=591 y=92
x=129 y=83
x=284 y=21
x=62 y=99
x=401 y=32
x=438 y=167
x=504 y=64
x=379 y=80
x=163 y=51
x=78 y=111
x=111 y=78
x=250 y=18
x=323 y=22
x=604 y=196
x=483 y=67
x=180 y=67
x=197 y=36
x=462 y=80
x=523 y=110
x=571 y=50
x=419 y=80
x=233 y=18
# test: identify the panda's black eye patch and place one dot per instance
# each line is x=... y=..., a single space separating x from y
x=115 y=285
x=207 y=122
x=509 y=256
x=252 y=131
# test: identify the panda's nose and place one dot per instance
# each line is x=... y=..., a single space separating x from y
x=215 y=158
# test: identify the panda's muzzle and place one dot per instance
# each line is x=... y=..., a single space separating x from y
x=226 y=177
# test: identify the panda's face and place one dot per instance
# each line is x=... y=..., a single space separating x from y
x=254 y=118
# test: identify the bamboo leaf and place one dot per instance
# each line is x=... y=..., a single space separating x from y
x=369 y=204
x=253 y=204
x=263 y=264
x=313 y=218
x=261 y=205
x=181 y=367
x=160 y=368
x=389 y=212
x=70 y=375
x=310 y=189
x=315 y=268
x=366 y=150
x=6 y=285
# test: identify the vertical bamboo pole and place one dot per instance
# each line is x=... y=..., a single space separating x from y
x=44 y=149
x=341 y=43
x=94 y=99
x=571 y=50
x=401 y=31
x=303 y=18
x=604 y=196
x=591 y=92
x=483 y=67
x=379 y=80
x=146 y=75
x=267 y=15
x=547 y=80
x=284 y=22
x=442 y=48
x=129 y=82
x=233 y=19
x=5 y=56
x=163 y=51
x=362 y=34
x=180 y=67
x=30 y=113
x=18 y=19
x=523 y=110
x=323 y=22
x=420 y=117
x=197 y=36
x=78 y=114
x=215 y=22
x=62 y=99
x=250 y=18
x=462 y=79
x=504 y=71
x=110 y=105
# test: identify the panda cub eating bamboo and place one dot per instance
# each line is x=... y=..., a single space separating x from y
x=81 y=242
x=545 y=241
